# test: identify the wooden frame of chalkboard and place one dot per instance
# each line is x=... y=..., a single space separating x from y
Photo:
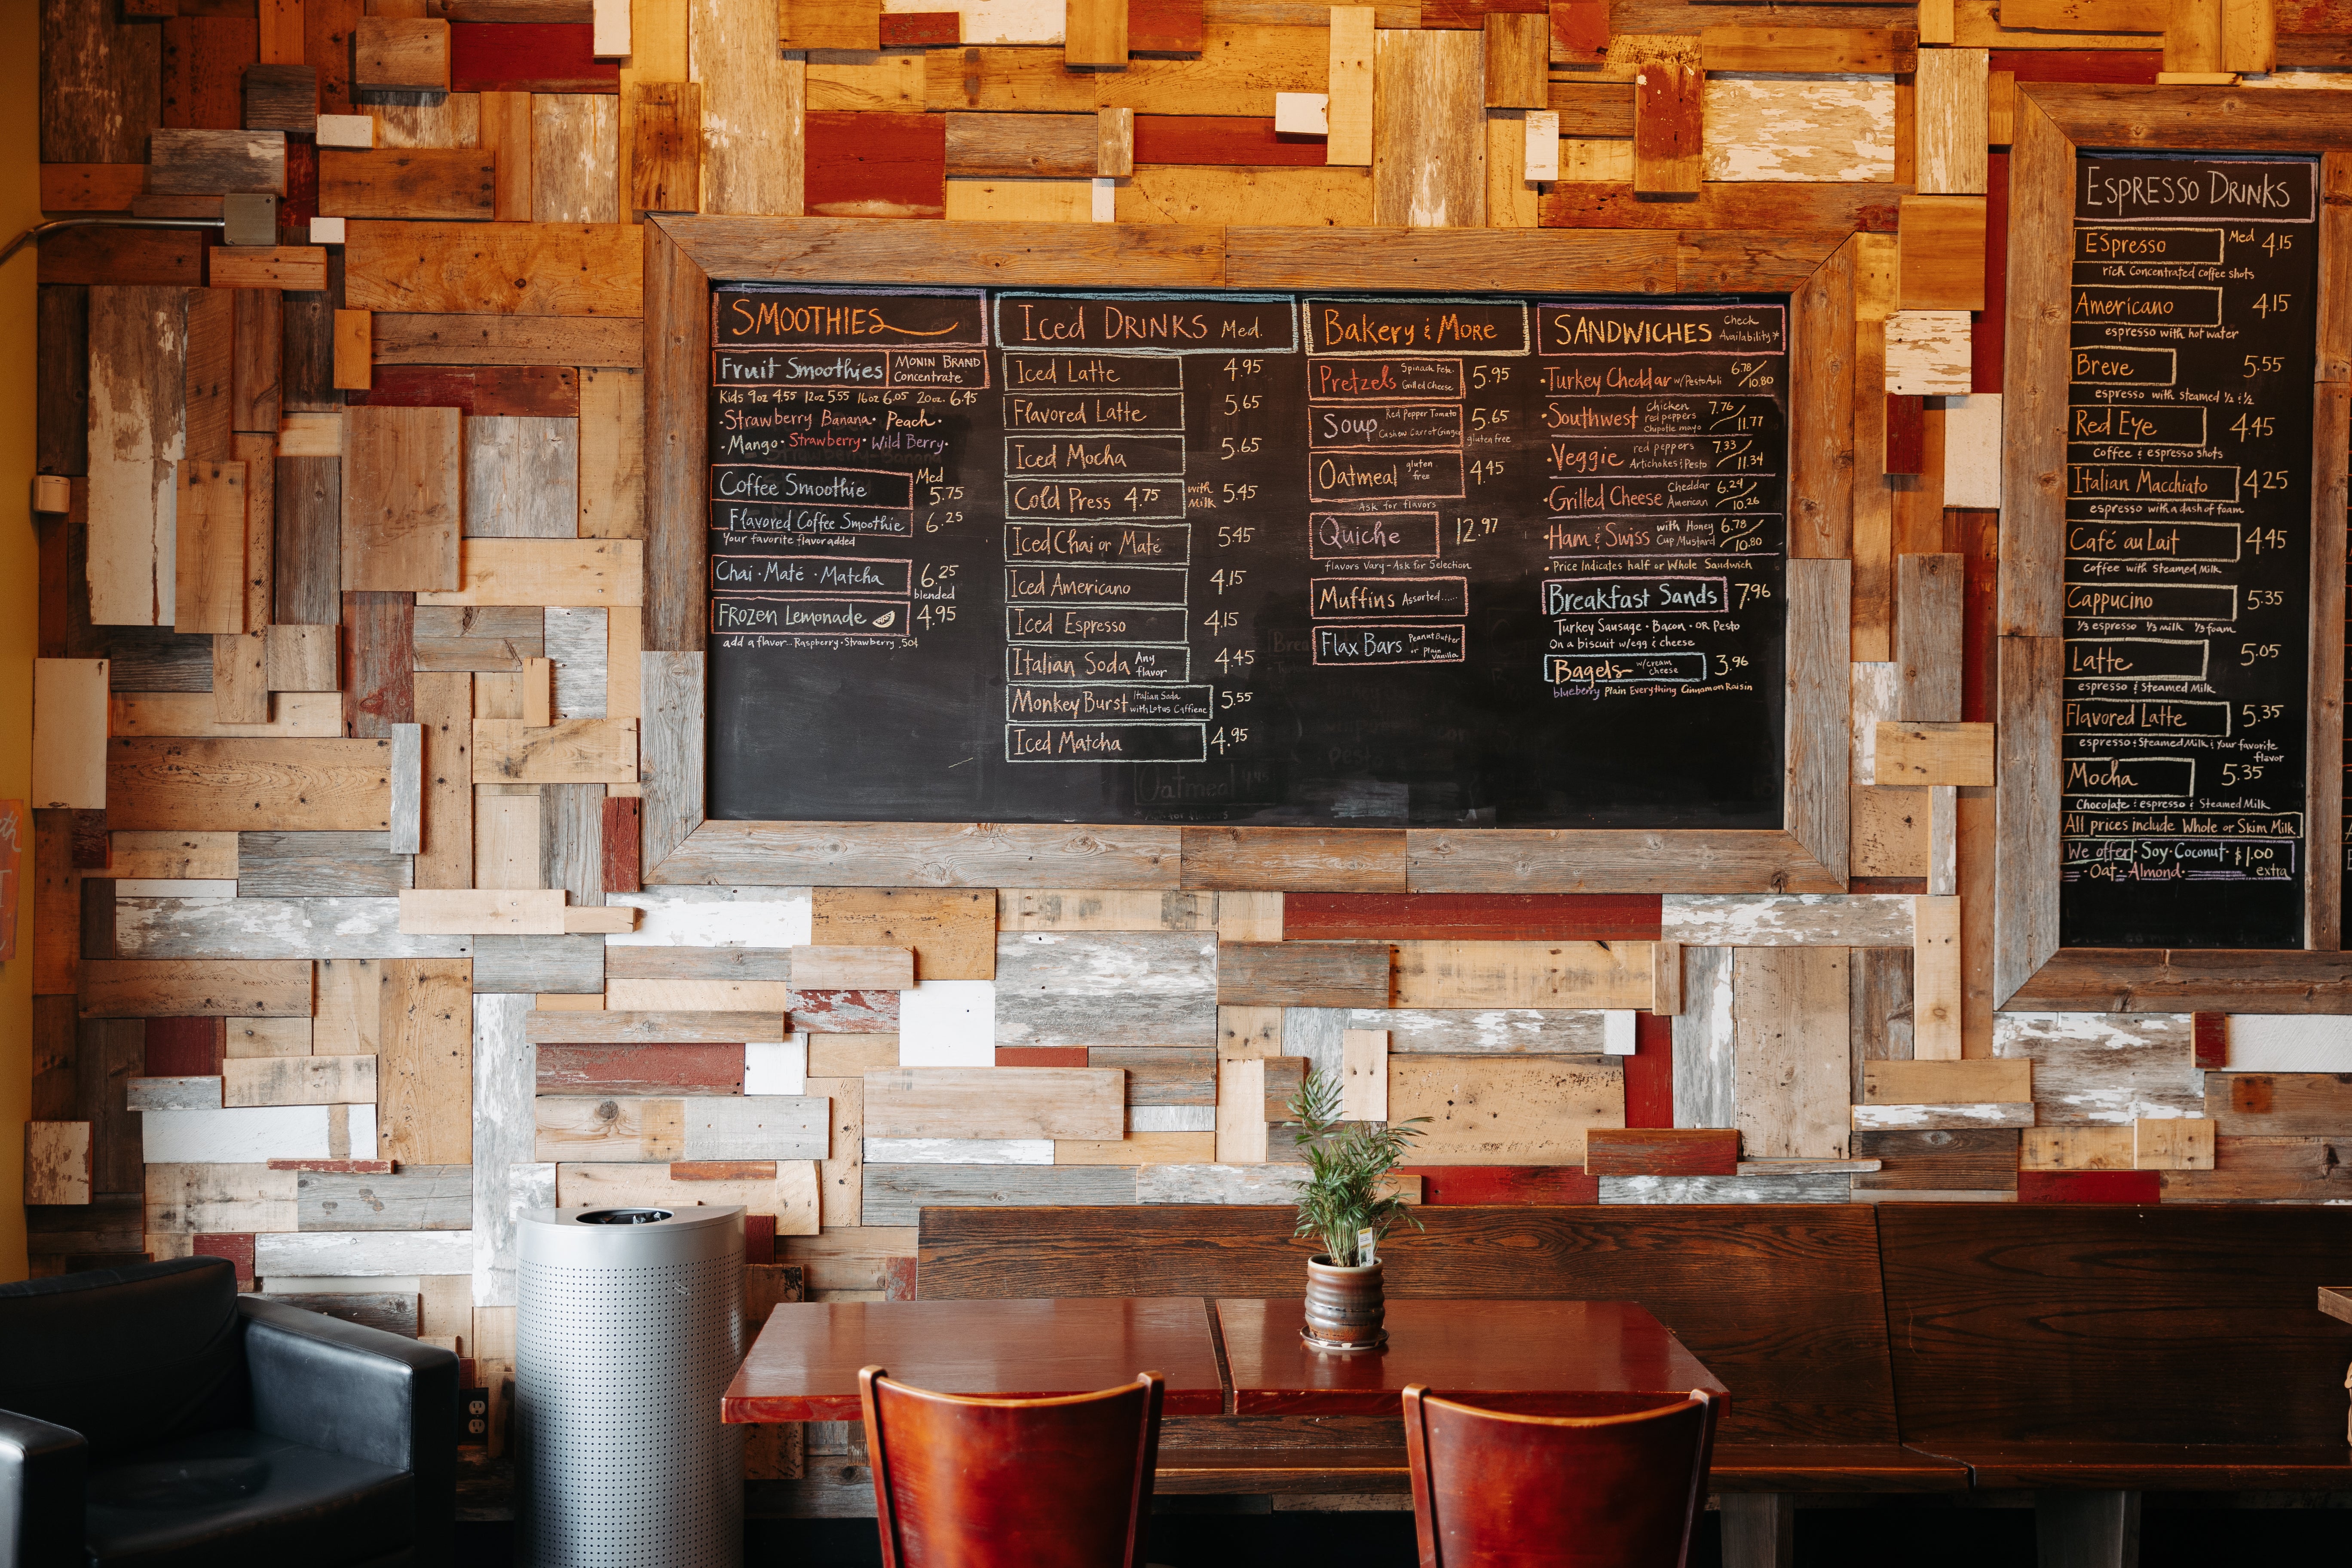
x=685 y=255
x=2030 y=971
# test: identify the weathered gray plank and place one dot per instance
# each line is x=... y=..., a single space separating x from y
x=1162 y=1075
x=415 y=1197
x=1268 y=1184
x=576 y=640
x=1303 y=974
x=1812 y=1189
x=492 y=638
x=1107 y=988
x=757 y=1127
x=1448 y=1032
x=506 y=1081
x=1789 y=1014
x=958 y=1150
x=1705 y=1048
x=393 y=1312
x=522 y=478
x=1926 y=1118
x=1837 y=920
x=338 y=1254
x=670 y=754
x=550 y=965
x=407 y=834
x=1879 y=984
x=907 y=855
x=2025 y=843
x=319 y=866
x=571 y=840
x=2109 y=1068
x=1821 y=643
x=896 y=1195
x=284 y=928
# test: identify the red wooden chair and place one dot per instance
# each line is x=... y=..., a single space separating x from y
x=1011 y=1483
x=1491 y=1488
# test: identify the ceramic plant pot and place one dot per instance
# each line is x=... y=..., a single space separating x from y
x=1345 y=1307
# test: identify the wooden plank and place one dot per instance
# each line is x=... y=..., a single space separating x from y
x=1940 y=1161
x=1953 y=105
x=2324 y=788
x=640 y=1069
x=268 y=1037
x=1347 y=111
x=1928 y=623
x=540 y=269
x=1303 y=975
x=353 y=1254
x=69 y=733
x=2266 y=1170
x=208 y=162
x=1937 y=980
x=1281 y=859
x=443 y=705
x=1926 y=1118
x=2025 y=855
x=1840 y=130
x=1669 y=102
x=611 y=482
x=1429 y=133
x=790 y=1199
x=379 y=634
x=2276 y=1104
x=1790 y=1014
x=615 y=1129
x=1235 y=916
x=2035 y=382
x=272 y=928
x=298 y=1081
x=1504 y=1110
x=578 y=751
x=464 y=911
x=2076 y=1148
x=1518 y=46
x=57 y=1168
x=1320 y=1032
x=307 y=569
x=752 y=104
x=1156 y=1075
x=425 y=184
x=486 y=637
x=199 y=857
x=1719 y=920
x=1027 y=145
x=575 y=158
x=1662 y=1152
x=585 y=572
x=122 y=257
x=610 y=1026
x=402 y=494
x=1845 y=50
x=2173 y=1143
x=505 y=136
x=952 y=934
x=1522 y=974
x=521 y=477
x=1140 y=988
x=1364 y=1075
x=2104 y=1067
x=1915 y=754
x=756 y=1126
x=433 y=339
x=418 y=1197
x=425 y=1062
x=400 y=53
x=670 y=759
x=138 y=348
x=317 y=865
x=1571 y=860
x=187 y=1197
x=993 y=1102
x=865 y=854
x=1934 y=1082
x=164 y=988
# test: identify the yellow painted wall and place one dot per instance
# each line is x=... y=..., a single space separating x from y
x=19 y=581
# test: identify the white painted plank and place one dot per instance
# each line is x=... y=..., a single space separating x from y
x=2290 y=1043
x=356 y=1254
x=757 y=1127
x=958 y=1150
x=716 y=917
x=1171 y=1119
x=1705 y=1041
x=1832 y=920
x=1105 y=988
x=273 y=927
x=948 y=1024
x=576 y=639
x=506 y=1081
x=1972 y=451
x=1876 y=686
x=1619 y=1035
x=1833 y=128
x=1743 y=1189
x=173 y=1094
x=1269 y=1185
x=1928 y=353
x=2105 y=1069
x=243 y=1135
x=1452 y=1032
x=1931 y=1118
x=776 y=1067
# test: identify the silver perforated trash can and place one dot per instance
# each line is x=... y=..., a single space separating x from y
x=629 y=1327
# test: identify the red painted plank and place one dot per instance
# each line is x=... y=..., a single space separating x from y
x=623 y=845
x=1472 y=917
x=529 y=391
x=237 y=1246
x=302 y=203
x=1649 y=1076
x=1661 y=1151
x=379 y=662
x=529 y=56
x=2213 y=1036
x=876 y=164
x=1975 y=536
x=186 y=1047
x=336 y=1167
x=1041 y=1056
x=1987 y=326
x=845 y=1011
x=899 y=1278
x=2089 y=1187
x=759 y=1238
x=1459 y=1185
x=2079 y=65
x=1231 y=139
x=640 y=1069
x=916 y=29
x=1164 y=27
x=91 y=847
x=1906 y=433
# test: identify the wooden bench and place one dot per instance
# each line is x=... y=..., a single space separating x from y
x=1781 y=1302
x=2095 y=1351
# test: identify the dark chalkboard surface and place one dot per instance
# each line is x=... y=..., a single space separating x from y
x=1280 y=559
x=2188 y=552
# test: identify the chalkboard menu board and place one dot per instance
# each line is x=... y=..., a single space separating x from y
x=2188 y=552
x=1298 y=559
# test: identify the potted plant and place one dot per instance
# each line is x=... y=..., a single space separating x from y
x=1348 y=1202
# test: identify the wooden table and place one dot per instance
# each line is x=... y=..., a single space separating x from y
x=1538 y=1357
x=1563 y=1357
x=803 y=1366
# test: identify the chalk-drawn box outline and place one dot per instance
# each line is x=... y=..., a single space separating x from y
x=901 y=475
x=1723 y=588
x=828 y=558
x=900 y=628
x=2081 y=290
x=1315 y=481
x=2068 y=705
x=2205 y=659
x=891 y=381
x=1550 y=673
x=1182 y=586
x=1207 y=689
x=1436 y=535
x=2221 y=245
x=1389 y=395
x=2076 y=378
x=2068 y=789
x=1436 y=442
x=2074 y=555
x=1173 y=363
x=1176 y=473
x=1160 y=401
x=2121 y=498
x=1014 y=524
x=1370 y=617
x=752 y=289
x=1170 y=495
x=1181 y=653
x=2198 y=409
x=904 y=516
x=1200 y=729
x=2073 y=611
x=1460 y=655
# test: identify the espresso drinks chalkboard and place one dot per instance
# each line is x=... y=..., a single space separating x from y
x=2188 y=552
x=1294 y=559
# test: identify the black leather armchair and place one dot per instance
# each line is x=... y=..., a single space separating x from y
x=153 y=1416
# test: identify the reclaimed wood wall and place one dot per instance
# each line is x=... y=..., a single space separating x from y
x=350 y=936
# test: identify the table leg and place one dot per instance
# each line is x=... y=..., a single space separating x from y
x=2086 y=1529
x=1759 y=1530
